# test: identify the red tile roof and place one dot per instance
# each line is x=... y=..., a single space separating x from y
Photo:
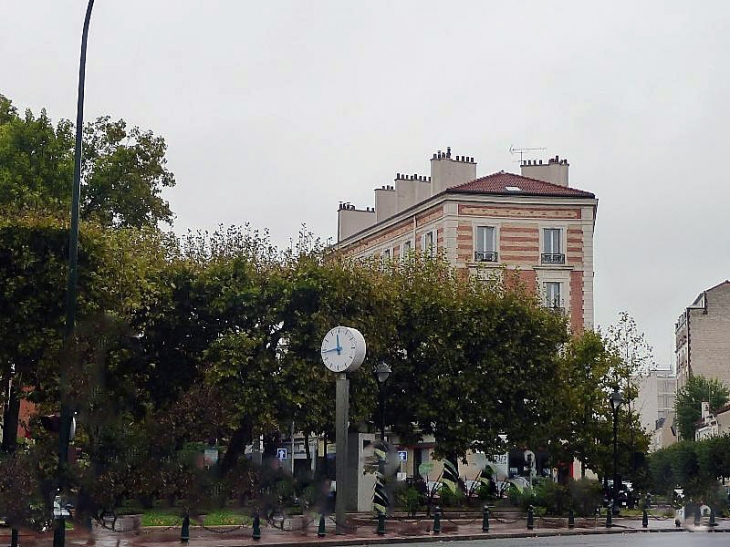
x=508 y=184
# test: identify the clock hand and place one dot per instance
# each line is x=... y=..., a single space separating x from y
x=338 y=348
x=331 y=349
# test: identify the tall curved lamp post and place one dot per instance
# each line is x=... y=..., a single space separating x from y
x=64 y=433
x=616 y=400
x=382 y=373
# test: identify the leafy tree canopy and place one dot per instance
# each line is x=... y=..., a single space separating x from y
x=124 y=169
x=689 y=399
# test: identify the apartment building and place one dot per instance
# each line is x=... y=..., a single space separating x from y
x=702 y=336
x=533 y=223
x=655 y=405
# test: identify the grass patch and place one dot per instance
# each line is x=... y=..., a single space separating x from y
x=172 y=517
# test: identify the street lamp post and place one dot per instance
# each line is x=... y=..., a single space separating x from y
x=616 y=400
x=382 y=373
x=66 y=418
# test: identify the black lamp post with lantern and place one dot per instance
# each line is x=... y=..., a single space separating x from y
x=616 y=400
x=382 y=373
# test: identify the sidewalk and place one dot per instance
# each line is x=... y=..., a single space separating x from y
x=361 y=531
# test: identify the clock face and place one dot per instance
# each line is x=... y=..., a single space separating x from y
x=343 y=349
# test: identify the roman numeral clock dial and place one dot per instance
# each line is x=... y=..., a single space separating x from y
x=343 y=349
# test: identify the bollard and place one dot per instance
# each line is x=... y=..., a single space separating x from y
x=712 y=518
x=13 y=537
x=437 y=520
x=320 y=530
x=644 y=519
x=256 y=528
x=698 y=515
x=485 y=519
x=185 y=530
x=381 y=523
x=609 y=515
x=571 y=519
x=530 y=517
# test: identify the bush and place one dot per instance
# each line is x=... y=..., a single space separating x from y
x=449 y=498
x=409 y=498
x=585 y=496
x=554 y=497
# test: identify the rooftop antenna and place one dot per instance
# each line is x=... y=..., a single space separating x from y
x=521 y=151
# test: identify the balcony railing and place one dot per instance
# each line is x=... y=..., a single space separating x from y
x=556 y=305
x=485 y=256
x=553 y=258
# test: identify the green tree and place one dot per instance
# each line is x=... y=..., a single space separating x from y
x=689 y=399
x=123 y=169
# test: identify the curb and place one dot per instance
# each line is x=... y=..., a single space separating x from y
x=344 y=541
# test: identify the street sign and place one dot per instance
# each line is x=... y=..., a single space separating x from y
x=281 y=453
x=403 y=455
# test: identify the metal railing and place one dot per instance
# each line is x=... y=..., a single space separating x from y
x=486 y=256
x=553 y=258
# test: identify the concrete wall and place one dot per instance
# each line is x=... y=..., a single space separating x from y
x=707 y=334
x=448 y=171
x=385 y=203
x=411 y=189
x=351 y=221
x=555 y=170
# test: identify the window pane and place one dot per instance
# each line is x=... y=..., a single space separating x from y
x=552 y=240
x=552 y=295
x=485 y=239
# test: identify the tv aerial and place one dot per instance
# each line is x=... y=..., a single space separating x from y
x=521 y=151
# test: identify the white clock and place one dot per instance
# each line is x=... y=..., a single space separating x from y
x=343 y=349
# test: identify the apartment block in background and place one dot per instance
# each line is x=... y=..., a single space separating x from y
x=702 y=336
x=655 y=405
x=533 y=223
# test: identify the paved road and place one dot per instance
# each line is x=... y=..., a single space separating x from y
x=684 y=539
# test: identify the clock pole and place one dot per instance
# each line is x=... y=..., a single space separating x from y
x=342 y=406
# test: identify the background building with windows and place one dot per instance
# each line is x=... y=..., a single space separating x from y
x=533 y=223
x=702 y=336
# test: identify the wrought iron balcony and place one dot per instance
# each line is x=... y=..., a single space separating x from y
x=553 y=258
x=485 y=256
x=555 y=304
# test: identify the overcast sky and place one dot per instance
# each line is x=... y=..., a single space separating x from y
x=275 y=111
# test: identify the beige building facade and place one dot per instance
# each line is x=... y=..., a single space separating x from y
x=533 y=223
x=702 y=336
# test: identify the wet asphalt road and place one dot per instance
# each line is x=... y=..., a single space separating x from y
x=666 y=539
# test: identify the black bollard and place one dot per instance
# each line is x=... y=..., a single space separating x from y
x=185 y=530
x=437 y=520
x=609 y=515
x=485 y=519
x=571 y=519
x=381 y=523
x=320 y=530
x=256 y=528
x=13 y=537
x=713 y=522
x=644 y=519
x=698 y=515
x=530 y=517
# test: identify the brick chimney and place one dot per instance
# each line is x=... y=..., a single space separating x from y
x=555 y=170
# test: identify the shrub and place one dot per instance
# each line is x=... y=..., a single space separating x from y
x=409 y=498
x=585 y=495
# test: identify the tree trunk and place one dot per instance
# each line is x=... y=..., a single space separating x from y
x=241 y=437
x=10 y=417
